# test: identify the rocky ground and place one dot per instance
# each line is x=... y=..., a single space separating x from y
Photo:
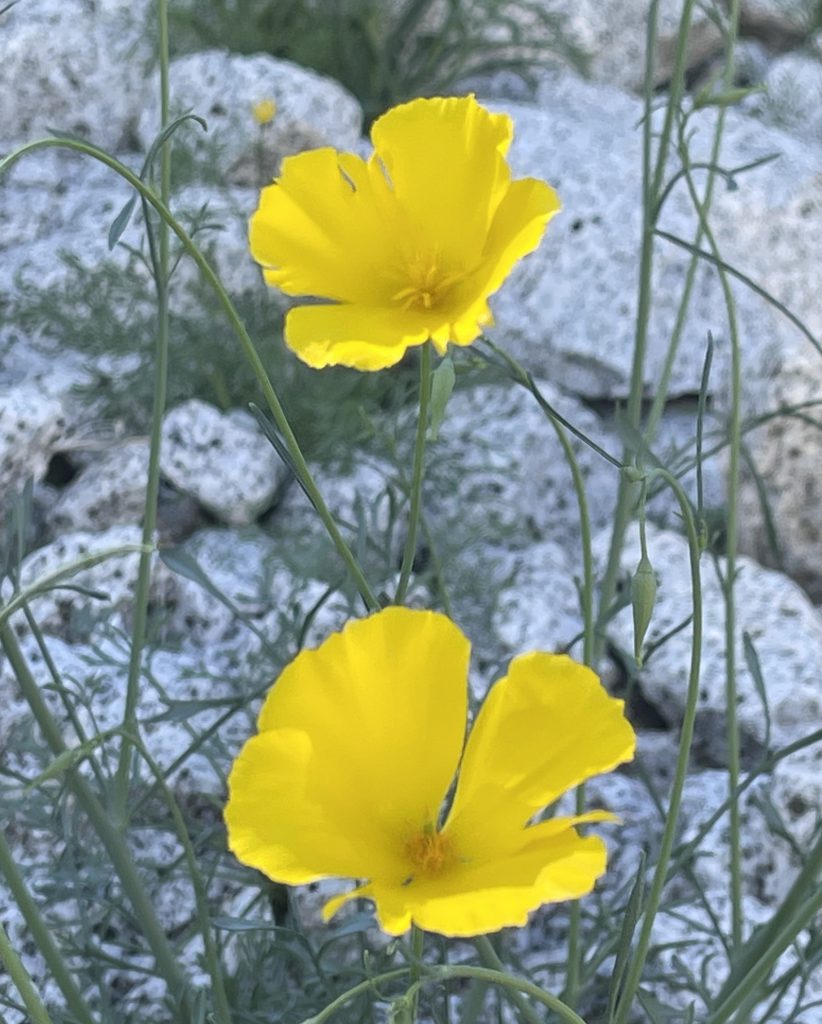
x=245 y=573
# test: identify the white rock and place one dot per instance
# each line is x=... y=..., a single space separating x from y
x=498 y=470
x=246 y=568
x=768 y=866
x=72 y=66
x=111 y=490
x=539 y=607
x=222 y=460
x=223 y=88
x=225 y=243
x=62 y=228
x=794 y=96
x=585 y=141
x=113 y=579
x=785 y=628
x=31 y=425
x=366 y=500
x=685 y=935
x=613 y=37
x=182 y=694
x=674 y=444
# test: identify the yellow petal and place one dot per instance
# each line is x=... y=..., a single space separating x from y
x=287 y=821
x=330 y=907
x=516 y=230
x=359 y=741
x=365 y=337
x=445 y=159
x=550 y=864
x=545 y=727
x=320 y=229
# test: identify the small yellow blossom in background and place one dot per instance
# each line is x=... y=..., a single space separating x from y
x=407 y=246
x=358 y=744
x=264 y=112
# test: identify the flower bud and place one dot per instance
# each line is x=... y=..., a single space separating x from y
x=643 y=596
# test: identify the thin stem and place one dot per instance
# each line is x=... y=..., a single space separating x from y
x=652 y=179
x=110 y=837
x=141 y=597
x=22 y=981
x=247 y=345
x=41 y=934
x=634 y=971
x=506 y=981
x=417 y=475
x=417 y=947
x=368 y=985
x=489 y=957
x=729 y=582
x=661 y=395
x=749 y=283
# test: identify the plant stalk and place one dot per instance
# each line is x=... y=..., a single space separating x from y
x=634 y=971
x=22 y=981
x=417 y=476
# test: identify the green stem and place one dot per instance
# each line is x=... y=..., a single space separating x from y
x=141 y=598
x=417 y=947
x=41 y=934
x=22 y=982
x=110 y=837
x=417 y=475
x=489 y=957
x=369 y=985
x=247 y=345
x=528 y=988
x=651 y=186
x=634 y=971
x=729 y=581
x=443 y=974
x=661 y=395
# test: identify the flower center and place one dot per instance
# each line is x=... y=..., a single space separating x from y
x=430 y=852
x=428 y=281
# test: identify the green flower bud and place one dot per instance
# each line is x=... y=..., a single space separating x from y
x=643 y=596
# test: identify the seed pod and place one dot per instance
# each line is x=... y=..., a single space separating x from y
x=643 y=596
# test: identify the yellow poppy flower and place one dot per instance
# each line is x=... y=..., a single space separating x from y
x=264 y=112
x=359 y=742
x=407 y=246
